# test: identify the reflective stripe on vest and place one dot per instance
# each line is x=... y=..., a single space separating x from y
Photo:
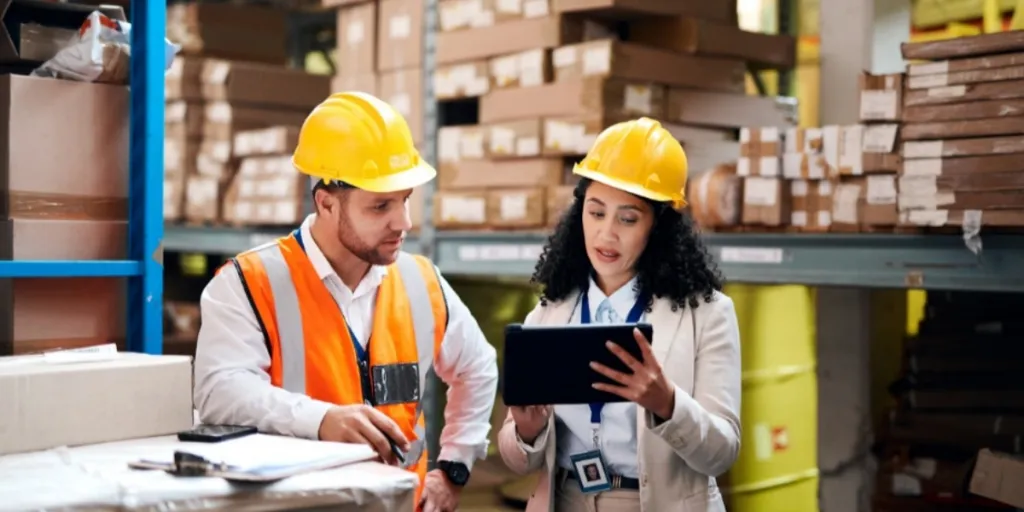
x=288 y=317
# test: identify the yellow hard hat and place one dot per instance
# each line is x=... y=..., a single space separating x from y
x=356 y=138
x=640 y=157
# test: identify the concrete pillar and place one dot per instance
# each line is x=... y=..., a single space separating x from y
x=856 y=36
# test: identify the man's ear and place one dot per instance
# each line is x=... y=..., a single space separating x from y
x=324 y=201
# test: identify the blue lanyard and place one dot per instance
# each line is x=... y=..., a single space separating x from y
x=633 y=317
x=361 y=354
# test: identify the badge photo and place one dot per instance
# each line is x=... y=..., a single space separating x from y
x=591 y=472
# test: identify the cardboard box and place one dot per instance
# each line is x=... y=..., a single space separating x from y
x=715 y=197
x=997 y=476
x=583 y=97
x=522 y=69
x=183 y=80
x=183 y=119
x=357 y=39
x=460 y=209
x=456 y=144
x=728 y=110
x=516 y=208
x=559 y=200
x=367 y=83
x=766 y=201
x=266 y=191
x=757 y=142
x=507 y=38
x=512 y=173
x=724 y=11
x=276 y=140
x=515 y=139
x=812 y=205
x=457 y=81
x=400 y=35
x=223 y=120
x=464 y=14
x=612 y=58
x=881 y=97
x=403 y=90
x=263 y=85
x=203 y=198
x=575 y=135
x=703 y=37
x=131 y=396
x=229 y=31
x=768 y=166
x=174 y=197
x=865 y=201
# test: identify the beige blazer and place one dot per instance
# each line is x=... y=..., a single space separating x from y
x=699 y=351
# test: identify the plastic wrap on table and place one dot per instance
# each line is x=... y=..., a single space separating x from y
x=97 y=477
x=98 y=53
x=34 y=205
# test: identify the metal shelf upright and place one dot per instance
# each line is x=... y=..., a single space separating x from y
x=144 y=266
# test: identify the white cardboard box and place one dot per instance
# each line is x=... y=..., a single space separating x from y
x=46 y=403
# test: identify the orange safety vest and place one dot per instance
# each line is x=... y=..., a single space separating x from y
x=311 y=347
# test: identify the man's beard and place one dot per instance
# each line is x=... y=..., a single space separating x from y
x=351 y=242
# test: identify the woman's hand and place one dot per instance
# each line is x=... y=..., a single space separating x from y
x=647 y=386
x=530 y=421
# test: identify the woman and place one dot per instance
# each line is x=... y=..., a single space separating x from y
x=624 y=252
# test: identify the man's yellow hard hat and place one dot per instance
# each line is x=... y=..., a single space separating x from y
x=356 y=138
x=640 y=157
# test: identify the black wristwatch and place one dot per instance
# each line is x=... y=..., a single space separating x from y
x=457 y=472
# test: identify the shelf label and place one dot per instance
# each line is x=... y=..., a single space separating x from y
x=500 y=252
x=770 y=255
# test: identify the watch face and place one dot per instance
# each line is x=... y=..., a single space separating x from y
x=458 y=473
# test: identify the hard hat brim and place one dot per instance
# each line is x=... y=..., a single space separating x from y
x=621 y=185
x=413 y=177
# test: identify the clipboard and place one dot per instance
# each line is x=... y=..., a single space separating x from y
x=257 y=458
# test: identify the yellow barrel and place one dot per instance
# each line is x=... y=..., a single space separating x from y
x=777 y=469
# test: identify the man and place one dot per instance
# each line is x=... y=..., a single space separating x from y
x=328 y=333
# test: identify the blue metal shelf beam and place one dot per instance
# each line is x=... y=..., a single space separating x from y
x=144 y=269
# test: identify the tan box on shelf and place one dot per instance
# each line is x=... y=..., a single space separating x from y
x=183 y=80
x=767 y=166
x=203 y=198
x=756 y=142
x=522 y=69
x=583 y=97
x=766 y=201
x=717 y=11
x=180 y=155
x=728 y=110
x=357 y=39
x=262 y=84
x=559 y=199
x=812 y=205
x=804 y=166
x=515 y=139
x=512 y=173
x=521 y=208
x=573 y=136
x=881 y=97
x=865 y=201
x=367 y=82
x=460 y=209
x=266 y=191
x=223 y=120
x=276 y=140
x=803 y=140
x=464 y=14
x=507 y=38
x=403 y=89
x=129 y=396
x=703 y=37
x=456 y=144
x=617 y=59
x=174 y=196
x=466 y=80
x=855 y=150
x=400 y=35
x=183 y=119
x=257 y=33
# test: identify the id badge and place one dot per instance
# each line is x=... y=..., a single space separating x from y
x=591 y=472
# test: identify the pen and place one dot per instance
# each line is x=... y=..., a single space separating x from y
x=396 y=450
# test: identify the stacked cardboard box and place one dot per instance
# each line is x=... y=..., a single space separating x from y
x=959 y=392
x=549 y=80
x=211 y=99
x=963 y=133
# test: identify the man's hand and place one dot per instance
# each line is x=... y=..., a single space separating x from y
x=362 y=424
x=439 y=495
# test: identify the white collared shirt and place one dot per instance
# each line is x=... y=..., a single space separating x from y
x=617 y=431
x=232 y=385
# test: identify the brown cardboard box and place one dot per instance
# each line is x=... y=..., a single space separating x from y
x=403 y=90
x=847 y=203
x=516 y=208
x=766 y=201
x=130 y=396
x=804 y=140
x=507 y=38
x=559 y=199
x=582 y=97
x=572 y=136
x=264 y=85
x=756 y=142
x=229 y=31
x=463 y=14
x=515 y=139
x=456 y=144
x=724 y=11
x=276 y=140
x=400 y=35
x=727 y=110
x=611 y=58
x=203 y=198
x=266 y=191
x=704 y=37
x=804 y=166
x=364 y=83
x=460 y=209
x=512 y=173
x=183 y=79
x=881 y=97
x=174 y=197
x=997 y=476
x=768 y=166
x=522 y=69
x=180 y=155
x=183 y=119
x=467 y=80
x=224 y=120
x=357 y=39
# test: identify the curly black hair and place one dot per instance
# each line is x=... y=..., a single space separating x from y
x=674 y=265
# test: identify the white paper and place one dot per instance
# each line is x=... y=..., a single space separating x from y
x=798 y=218
x=564 y=57
x=881 y=189
x=878 y=105
x=471 y=145
x=502 y=140
x=926 y=81
x=399 y=27
x=760 y=191
x=905 y=485
x=953 y=91
x=510 y=6
x=933 y=218
x=925 y=149
x=844 y=204
x=824 y=218
x=528 y=146
x=402 y=103
x=879 y=138
x=930 y=68
x=513 y=206
x=923 y=167
x=535 y=9
x=217 y=72
x=638 y=99
x=743 y=166
x=448 y=140
x=769 y=166
x=355 y=32
x=597 y=60
x=464 y=210
x=798 y=188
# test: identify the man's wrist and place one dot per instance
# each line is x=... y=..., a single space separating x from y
x=456 y=472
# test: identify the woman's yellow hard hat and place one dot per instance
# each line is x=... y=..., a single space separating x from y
x=356 y=138
x=640 y=157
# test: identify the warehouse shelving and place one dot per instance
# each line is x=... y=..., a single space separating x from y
x=144 y=266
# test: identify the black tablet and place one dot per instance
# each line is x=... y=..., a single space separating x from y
x=550 y=365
